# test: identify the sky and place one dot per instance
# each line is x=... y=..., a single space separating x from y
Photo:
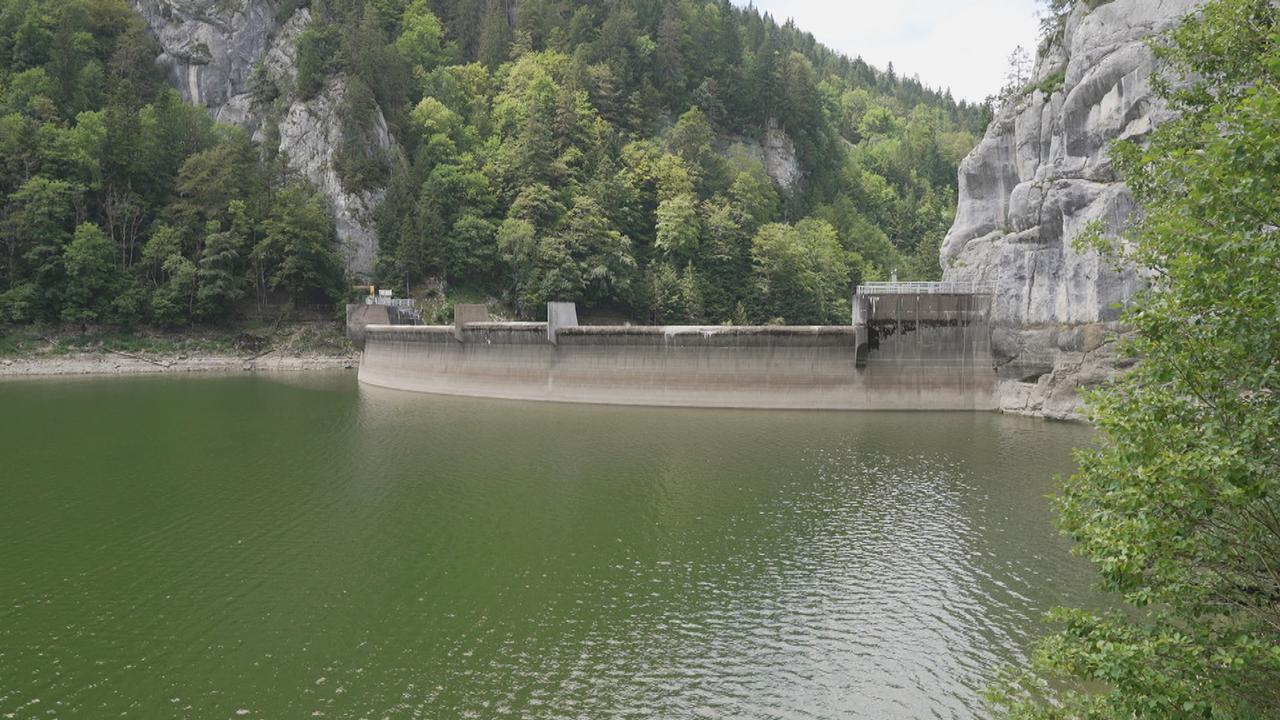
x=960 y=44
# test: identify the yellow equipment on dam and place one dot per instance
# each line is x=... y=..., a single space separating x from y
x=912 y=347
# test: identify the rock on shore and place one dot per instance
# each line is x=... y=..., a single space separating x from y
x=106 y=363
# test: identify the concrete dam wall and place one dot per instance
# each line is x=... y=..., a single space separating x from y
x=914 y=362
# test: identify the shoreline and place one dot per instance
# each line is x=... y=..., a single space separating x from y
x=109 y=363
x=115 y=364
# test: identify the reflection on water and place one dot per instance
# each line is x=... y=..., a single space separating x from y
x=301 y=545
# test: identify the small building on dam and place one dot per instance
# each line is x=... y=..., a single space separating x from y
x=910 y=346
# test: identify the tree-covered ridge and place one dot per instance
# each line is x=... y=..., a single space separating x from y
x=585 y=151
x=603 y=152
x=121 y=203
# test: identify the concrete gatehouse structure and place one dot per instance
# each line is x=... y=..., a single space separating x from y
x=917 y=346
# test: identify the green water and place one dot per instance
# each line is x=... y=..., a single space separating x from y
x=291 y=547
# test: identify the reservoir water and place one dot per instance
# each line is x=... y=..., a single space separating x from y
x=304 y=546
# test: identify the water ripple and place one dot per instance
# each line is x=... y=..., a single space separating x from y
x=247 y=547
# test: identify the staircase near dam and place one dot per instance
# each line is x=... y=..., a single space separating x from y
x=920 y=346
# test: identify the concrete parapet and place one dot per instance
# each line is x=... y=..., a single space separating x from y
x=466 y=314
x=360 y=316
x=560 y=315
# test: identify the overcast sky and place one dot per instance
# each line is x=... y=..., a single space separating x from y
x=961 y=44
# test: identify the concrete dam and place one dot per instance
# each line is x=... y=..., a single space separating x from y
x=911 y=346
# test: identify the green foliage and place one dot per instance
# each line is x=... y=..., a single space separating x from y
x=316 y=48
x=421 y=37
x=673 y=296
x=572 y=106
x=220 y=273
x=472 y=250
x=91 y=275
x=1178 y=505
x=551 y=150
x=756 y=195
x=677 y=227
x=262 y=86
x=800 y=272
x=118 y=202
x=359 y=160
x=298 y=247
x=1050 y=85
x=693 y=140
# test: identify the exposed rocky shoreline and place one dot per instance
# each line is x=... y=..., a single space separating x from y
x=116 y=363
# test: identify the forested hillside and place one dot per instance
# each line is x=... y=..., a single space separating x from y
x=604 y=152
x=120 y=203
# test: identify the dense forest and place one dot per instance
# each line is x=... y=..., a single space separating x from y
x=122 y=204
x=602 y=152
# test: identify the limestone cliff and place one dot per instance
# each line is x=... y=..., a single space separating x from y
x=775 y=151
x=1039 y=177
x=210 y=49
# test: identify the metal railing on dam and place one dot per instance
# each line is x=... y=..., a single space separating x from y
x=924 y=287
x=908 y=306
x=934 y=366
x=389 y=301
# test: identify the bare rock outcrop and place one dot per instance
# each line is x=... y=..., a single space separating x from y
x=1041 y=176
x=309 y=132
x=210 y=50
x=775 y=151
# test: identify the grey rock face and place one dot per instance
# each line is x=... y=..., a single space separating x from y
x=309 y=132
x=780 y=159
x=1039 y=178
x=209 y=49
x=775 y=152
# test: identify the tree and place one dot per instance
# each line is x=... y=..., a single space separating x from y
x=472 y=250
x=1017 y=75
x=32 y=41
x=173 y=303
x=726 y=261
x=359 y=159
x=440 y=129
x=755 y=196
x=210 y=180
x=35 y=234
x=538 y=205
x=602 y=253
x=317 y=54
x=220 y=275
x=1179 y=504
x=673 y=297
x=420 y=41
x=35 y=222
x=518 y=246
x=299 y=244
x=800 y=272
x=91 y=275
x=164 y=243
x=495 y=35
x=692 y=139
x=677 y=228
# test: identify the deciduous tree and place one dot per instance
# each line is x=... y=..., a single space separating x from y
x=1178 y=506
